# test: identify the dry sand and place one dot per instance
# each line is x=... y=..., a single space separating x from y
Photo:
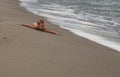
x=26 y=52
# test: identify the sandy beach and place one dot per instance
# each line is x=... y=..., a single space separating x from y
x=26 y=52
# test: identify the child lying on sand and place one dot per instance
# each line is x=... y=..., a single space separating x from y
x=39 y=25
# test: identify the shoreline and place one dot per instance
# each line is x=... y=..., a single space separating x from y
x=26 y=52
x=94 y=38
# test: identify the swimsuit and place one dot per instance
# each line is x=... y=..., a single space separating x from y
x=39 y=29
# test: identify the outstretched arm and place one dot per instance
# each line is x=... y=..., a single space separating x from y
x=50 y=31
x=26 y=25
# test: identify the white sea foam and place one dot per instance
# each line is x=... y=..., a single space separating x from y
x=76 y=23
x=28 y=0
x=92 y=37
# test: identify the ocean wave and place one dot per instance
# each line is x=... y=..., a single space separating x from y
x=28 y=0
x=99 y=28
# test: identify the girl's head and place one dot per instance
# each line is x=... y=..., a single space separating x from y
x=41 y=21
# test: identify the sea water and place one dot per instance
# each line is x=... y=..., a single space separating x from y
x=96 y=20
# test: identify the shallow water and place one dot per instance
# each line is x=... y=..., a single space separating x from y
x=96 y=20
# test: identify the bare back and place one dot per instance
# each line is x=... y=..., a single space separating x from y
x=35 y=25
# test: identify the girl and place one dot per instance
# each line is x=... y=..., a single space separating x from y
x=40 y=25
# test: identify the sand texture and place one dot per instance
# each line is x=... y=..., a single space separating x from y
x=26 y=52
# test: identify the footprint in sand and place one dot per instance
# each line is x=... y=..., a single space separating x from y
x=2 y=35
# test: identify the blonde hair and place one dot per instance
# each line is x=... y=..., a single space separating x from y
x=41 y=21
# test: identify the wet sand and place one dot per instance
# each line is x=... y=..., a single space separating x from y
x=25 y=52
